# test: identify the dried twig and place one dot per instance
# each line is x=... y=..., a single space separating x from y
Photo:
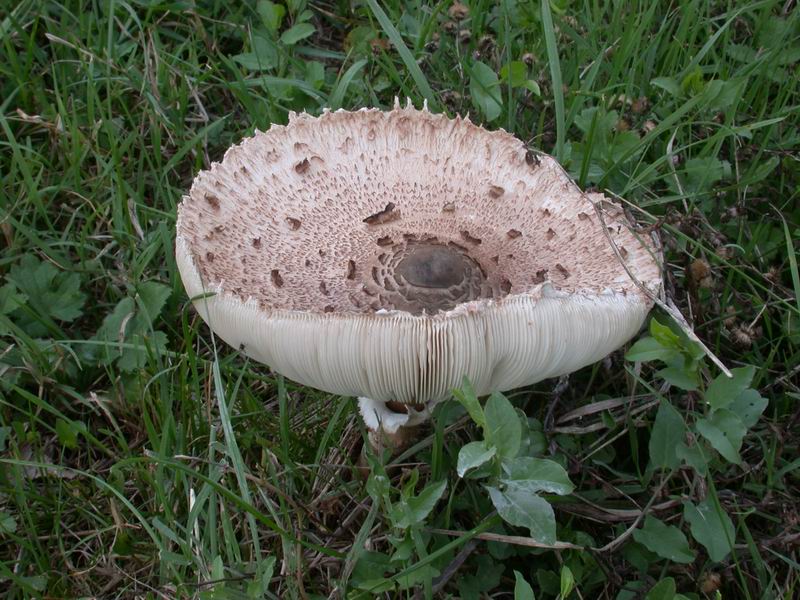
x=516 y=540
x=602 y=514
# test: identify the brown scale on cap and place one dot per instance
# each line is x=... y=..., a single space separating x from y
x=396 y=198
x=387 y=215
x=470 y=239
x=213 y=201
x=532 y=159
x=495 y=191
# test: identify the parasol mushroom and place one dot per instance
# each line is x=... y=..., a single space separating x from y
x=387 y=254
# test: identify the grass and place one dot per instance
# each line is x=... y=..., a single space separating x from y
x=139 y=459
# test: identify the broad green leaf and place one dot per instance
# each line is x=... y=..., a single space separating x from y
x=741 y=52
x=664 y=335
x=694 y=457
x=722 y=94
x=522 y=589
x=417 y=577
x=370 y=570
x=403 y=550
x=217 y=568
x=466 y=396
x=647 y=349
x=533 y=442
x=548 y=582
x=749 y=406
x=503 y=428
x=681 y=378
x=473 y=583
x=693 y=82
x=663 y=590
x=253 y=62
x=604 y=121
x=665 y=540
x=761 y=170
x=416 y=509
x=315 y=73
x=500 y=551
x=296 y=33
x=8 y=524
x=725 y=431
x=151 y=298
x=410 y=484
x=668 y=84
x=114 y=325
x=49 y=291
x=669 y=430
x=515 y=73
x=128 y=331
x=532 y=86
x=638 y=556
x=522 y=509
x=700 y=175
x=473 y=455
x=710 y=528
x=567 y=581
x=262 y=57
x=724 y=390
x=378 y=486
x=271 y=14
x=266 y=50
x=10 y=300
x=258 y=587
x=537 y=475
x=143 y=344
x=67 y=433
x=485 y=91
x=37 y=582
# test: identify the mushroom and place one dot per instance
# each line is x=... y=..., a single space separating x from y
x=388 y=254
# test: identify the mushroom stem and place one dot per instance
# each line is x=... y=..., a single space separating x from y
x=392 y=425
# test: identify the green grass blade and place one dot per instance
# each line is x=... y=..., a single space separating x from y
x=792 y=255
x=233 y=452
x=408 y=59
x=337 y=95
x=555 y=75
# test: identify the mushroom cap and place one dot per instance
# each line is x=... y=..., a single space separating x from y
x=388 y=254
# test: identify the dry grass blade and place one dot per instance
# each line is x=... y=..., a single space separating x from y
x=516 y=540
